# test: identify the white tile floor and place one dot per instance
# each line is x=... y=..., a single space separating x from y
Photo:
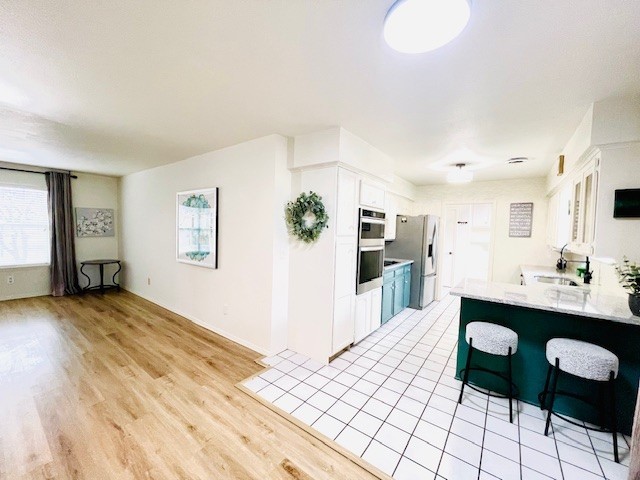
x=392 y=400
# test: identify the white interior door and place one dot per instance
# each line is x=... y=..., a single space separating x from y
x=449 y=247
x=467 y=242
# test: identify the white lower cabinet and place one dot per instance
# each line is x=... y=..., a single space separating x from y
x=344 y=293
x=342 y=323
x=368 y=313
x=376 y=308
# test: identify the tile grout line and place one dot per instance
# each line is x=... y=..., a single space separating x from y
x=444 y=310
x=325 y=412
x=430 y=395
x=397 y=352
x=484 y=433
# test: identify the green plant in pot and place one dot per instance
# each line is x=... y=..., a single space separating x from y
x=629 y=277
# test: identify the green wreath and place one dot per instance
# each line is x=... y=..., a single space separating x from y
x=306 y=217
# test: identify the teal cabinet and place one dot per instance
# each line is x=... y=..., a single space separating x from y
x=407 y=286
x=396 y=291
x=398 y=294
x=387 y=302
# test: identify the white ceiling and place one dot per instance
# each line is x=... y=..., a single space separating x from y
x=119 y=86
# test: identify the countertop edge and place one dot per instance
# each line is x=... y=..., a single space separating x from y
x=401 y=263
x=465 y=290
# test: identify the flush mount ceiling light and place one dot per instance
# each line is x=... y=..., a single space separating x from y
x=458 y=175
x=418 y=26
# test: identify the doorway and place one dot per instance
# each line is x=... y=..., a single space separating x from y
x=467 y=242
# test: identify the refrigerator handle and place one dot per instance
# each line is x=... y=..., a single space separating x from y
x=434 y=246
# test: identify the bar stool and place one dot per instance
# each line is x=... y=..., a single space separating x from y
x=584 y=360
x=494 y=340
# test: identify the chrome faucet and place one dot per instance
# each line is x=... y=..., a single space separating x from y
x=561 y=265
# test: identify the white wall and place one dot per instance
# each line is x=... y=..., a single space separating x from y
x=252 y=250
x=88 y=191
x=573 y=150
x=616 y=237
x=508 y=253
x=616 y=120
x=337 y=145
x=364 y=157
x=312 y=267
x=96 y=191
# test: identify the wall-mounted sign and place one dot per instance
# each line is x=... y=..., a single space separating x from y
x=520 y=219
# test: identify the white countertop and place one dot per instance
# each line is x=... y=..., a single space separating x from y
x=583 y=302
x=401 y=263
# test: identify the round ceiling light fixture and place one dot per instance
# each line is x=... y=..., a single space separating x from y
x=458 y=175
x=418 y=26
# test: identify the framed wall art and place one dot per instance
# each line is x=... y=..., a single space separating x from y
x=95 y=222
x=197 y=227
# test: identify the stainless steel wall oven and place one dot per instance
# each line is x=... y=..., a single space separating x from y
x=370 y=251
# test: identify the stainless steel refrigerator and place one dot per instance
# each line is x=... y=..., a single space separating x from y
x=416 y=239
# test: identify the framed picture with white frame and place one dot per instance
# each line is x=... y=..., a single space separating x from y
x=197 y=227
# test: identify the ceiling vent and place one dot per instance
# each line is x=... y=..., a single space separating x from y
x=514 y=160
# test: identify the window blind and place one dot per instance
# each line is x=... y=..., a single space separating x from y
x=24 y=226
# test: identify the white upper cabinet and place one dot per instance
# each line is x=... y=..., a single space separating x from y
x=583 y=207
x=390 y=212
x=559 y=218
x=347 y=208
x=571 y=215
x=371 y=195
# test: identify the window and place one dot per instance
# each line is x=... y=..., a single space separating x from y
x=24 y=227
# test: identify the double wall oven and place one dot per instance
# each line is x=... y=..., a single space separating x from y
x=370 y=250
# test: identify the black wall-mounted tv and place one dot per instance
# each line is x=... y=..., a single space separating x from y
x=627 y=203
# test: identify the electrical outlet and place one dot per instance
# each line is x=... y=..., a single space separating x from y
x=225 y=309
x=10 y=280
x=148 y=280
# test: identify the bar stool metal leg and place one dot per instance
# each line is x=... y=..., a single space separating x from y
x=553 y=395
x=614 y=426
x=543 y=399
x=465 y=378
x=602 y=406
x=510 y=390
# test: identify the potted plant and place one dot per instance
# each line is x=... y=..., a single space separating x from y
x=629 y=277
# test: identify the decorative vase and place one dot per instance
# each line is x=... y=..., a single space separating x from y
x=634 y=304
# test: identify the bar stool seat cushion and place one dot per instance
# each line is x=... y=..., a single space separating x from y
x=491 y=338
x=582 y=359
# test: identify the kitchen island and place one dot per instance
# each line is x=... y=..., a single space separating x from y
x=539 y=312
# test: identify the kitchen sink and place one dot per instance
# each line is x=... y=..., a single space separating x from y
x=556 y=280
x=390 y=262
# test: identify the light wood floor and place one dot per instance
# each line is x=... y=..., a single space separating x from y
x=115 y=387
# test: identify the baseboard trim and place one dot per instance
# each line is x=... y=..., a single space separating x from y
x=19 y=297
x=199 y=322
